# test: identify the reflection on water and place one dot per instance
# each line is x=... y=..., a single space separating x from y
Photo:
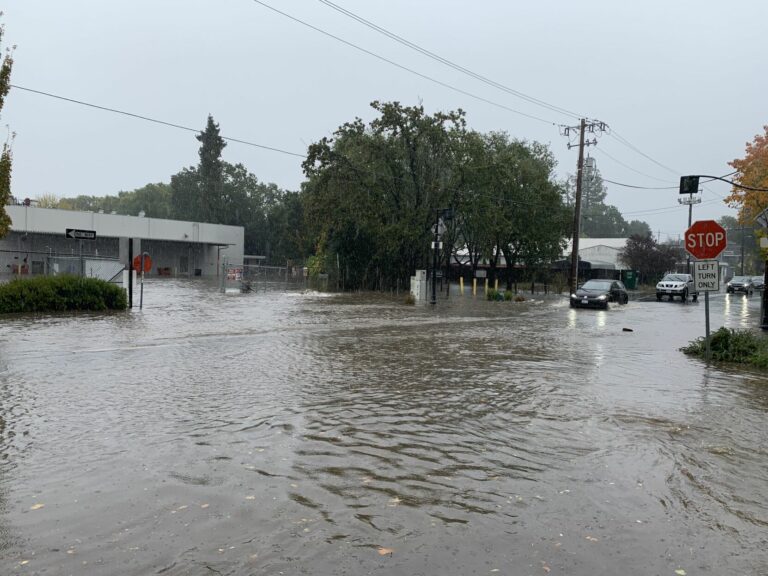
x=307 y=433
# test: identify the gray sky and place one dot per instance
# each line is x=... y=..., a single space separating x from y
x=683 y=82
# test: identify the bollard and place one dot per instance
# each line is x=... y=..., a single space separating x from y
x=496 y=285
x=461 y=285
x=485 y=292
x=474 y=286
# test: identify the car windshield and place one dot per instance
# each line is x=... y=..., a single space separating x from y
x=757 y=278
x=597 y=285
x=674 y=278
x=740 y=279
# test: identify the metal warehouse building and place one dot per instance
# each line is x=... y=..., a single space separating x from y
x=38 y=243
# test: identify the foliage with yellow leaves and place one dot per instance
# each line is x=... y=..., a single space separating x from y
x=753 y=172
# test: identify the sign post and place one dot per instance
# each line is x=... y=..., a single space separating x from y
x=704 y=240
x=142 y=263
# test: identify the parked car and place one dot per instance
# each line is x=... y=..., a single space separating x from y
x=676 y=285
x=598 y=293
x=758 y=282
x=740 y=284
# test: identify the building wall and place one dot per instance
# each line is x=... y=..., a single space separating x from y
x=176 y=247
x=603 y=254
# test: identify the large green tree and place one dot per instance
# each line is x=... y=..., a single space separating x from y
x=5 y=156
x=373 y=192
x=510 y=206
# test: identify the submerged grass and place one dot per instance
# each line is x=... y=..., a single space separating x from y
x=736 y=346
x=60 y=293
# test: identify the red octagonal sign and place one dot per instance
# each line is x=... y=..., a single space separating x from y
x=705 y=239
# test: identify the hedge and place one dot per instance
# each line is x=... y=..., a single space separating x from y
x=60 y=293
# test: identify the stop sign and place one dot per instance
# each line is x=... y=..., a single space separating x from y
x=705 y=239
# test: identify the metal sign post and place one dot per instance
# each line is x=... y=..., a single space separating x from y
x=706 y=278
x=705 y=240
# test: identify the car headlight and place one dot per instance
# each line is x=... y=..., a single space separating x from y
x=602 y=297
x=574 y=296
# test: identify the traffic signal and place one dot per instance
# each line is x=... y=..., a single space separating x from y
x=689 y=184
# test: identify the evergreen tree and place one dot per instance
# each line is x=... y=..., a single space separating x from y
x=211 y=172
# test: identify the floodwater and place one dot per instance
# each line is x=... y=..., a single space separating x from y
x=290 y=432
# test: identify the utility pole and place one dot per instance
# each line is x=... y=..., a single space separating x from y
x=742 y=249
x=435 y=248
x=690 y=201
x=592 y=127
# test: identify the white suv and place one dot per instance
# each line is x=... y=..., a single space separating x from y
x=676 y=285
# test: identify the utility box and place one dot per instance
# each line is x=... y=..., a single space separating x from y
x=419 y=286
x=630 y=279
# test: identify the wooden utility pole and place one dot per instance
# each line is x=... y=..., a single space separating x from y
x=594 y=127
x=577 y=212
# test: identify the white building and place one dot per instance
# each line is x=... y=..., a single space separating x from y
x=177 y=248
x=601 y=253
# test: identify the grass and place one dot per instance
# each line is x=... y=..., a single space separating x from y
x=60 y=293
x=735 y=346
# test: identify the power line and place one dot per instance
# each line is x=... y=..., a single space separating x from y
x=619 y=138
x=640 y=187
x=603 y=152
x=449 y=63
x=154 y=120
x=401 y=67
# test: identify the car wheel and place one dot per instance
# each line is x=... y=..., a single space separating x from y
x=658 y=297
x=695 y=297
x=625 y=300
x=685 y=295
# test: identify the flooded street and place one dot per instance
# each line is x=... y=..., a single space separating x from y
x=305 y=433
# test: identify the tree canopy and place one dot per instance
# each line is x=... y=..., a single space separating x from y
x=752 y=170
x=374 y=193
x=598 y=219
x=649 y=258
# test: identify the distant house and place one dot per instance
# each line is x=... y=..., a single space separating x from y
x=601 y=253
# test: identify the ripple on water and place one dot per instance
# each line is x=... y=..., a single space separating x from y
x=284 y=432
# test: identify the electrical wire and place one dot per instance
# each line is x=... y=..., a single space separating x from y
x=405 y=68
x=449 y=63
x=604 y=153
x=619 y=138
x=154 y=120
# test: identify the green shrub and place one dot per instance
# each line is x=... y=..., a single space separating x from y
x=508 y=295
x=494 y=294
x=728 y=345
x=59 y=293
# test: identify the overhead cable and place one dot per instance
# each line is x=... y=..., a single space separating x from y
x=154 y=120
x=449 y=63
x=405 y=68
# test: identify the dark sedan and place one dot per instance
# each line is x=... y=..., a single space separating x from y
x=598 y=293
x=740 y=284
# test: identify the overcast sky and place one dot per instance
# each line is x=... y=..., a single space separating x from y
x=683 y=82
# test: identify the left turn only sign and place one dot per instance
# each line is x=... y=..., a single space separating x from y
x=81 y=234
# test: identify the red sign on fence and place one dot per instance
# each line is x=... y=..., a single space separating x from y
x=705 y=239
